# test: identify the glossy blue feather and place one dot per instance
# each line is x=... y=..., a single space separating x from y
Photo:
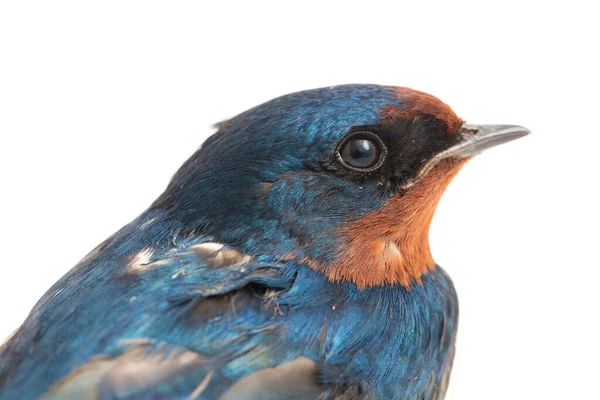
x=262 y=186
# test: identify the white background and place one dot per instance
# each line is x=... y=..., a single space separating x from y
x=100 y=102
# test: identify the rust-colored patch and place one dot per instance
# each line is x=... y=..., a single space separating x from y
x=391 y=245
x=417 y=103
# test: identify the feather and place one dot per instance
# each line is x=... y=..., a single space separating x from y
x=294 y=380
x=137 y=370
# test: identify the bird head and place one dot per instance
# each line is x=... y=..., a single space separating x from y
x=344 y=180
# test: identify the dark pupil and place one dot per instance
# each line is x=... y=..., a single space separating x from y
x=360 y=153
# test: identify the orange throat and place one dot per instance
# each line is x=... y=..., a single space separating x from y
x=391 y=245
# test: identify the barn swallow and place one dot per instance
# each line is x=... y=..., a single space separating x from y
x=288 y=258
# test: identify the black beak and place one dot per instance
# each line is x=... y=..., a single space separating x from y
x=477 y=138
x=473 y=139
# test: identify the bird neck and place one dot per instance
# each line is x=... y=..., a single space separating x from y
x=391 y=245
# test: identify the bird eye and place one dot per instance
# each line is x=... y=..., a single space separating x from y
x=361 y=151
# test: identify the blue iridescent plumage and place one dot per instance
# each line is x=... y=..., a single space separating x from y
x=265 y=187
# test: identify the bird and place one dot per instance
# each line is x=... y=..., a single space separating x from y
x=288 y=258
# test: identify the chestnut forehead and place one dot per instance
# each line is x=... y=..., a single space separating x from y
x=414 y=103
